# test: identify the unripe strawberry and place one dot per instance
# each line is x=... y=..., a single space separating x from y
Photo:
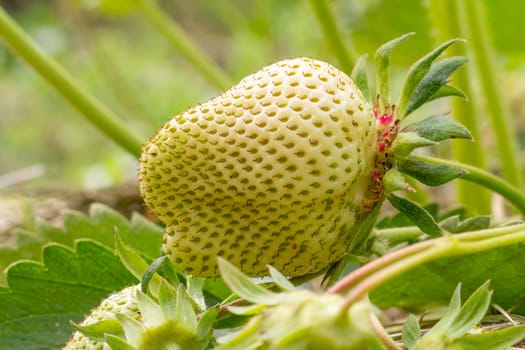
x=124 y=302
x=271 y=172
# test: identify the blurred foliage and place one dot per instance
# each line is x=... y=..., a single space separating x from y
x=113 y=51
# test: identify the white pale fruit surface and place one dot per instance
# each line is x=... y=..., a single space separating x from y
x=123 y=302
x=270 y=172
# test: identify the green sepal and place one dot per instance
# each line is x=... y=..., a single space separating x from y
x=167 y=298
x=150 y=280
x=406 y=142
x=136 y=265
x=458 y=320
x=410 y=333
x=436 y=77
x=117 y=343
x=97 y=331
x=360 y=77
x=248 y=338
x=280 y=280
x=447 y=91
x=471 y=313
x=243 y=286
x=205 y=324
x=416 y=73
x=429 y=174
x=418 y=215
x=438 y=128
x=132 y=329
x=450 y=315
x=249 y=310
x=195 y=290
x=395 y=181
x=184 y=314
x=152 y=315
x=455 y=225
x=494 y=340
x=382 y=62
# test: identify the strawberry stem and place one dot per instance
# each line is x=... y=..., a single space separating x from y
x=476 y=32
x=345 y=54
x=362 y=281
x=97 y=113
x=483 y=178
x=178 y=38
x=444 y=15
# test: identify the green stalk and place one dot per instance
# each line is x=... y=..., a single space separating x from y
x=354 y=278
x=472 y=16
x=392 y=265
x=176 y=36
x=346 y=57
x=481 y=177
x=97 y=113
x=445 y=19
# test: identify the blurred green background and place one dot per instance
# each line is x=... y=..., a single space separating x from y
x=119 y=57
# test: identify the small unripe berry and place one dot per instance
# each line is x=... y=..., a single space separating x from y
x=123 y=302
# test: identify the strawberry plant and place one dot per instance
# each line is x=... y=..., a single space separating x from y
x=289 y=218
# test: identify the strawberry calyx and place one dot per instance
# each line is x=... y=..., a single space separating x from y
x=387 y=129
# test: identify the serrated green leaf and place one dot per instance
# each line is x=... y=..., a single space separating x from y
x=419 y=216
x=360 y=77
x=99 y=225
x=471 y=312
x=494 y=340
x=43 y=298
x=450 y=315
x=243 y=286
x=132 y=328
x=98 y=330
x=436 y=77
x=438 y=128
x=410 y=332
x=406 y=142
x=279 y=279
x=117 y=343
x=102 y=222
x=429 y=174
x=447 y=91
x=185 y=315
x=382 y=63
x=416 y=73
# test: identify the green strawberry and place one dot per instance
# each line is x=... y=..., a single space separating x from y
x=274 y=171
x=123 y=302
